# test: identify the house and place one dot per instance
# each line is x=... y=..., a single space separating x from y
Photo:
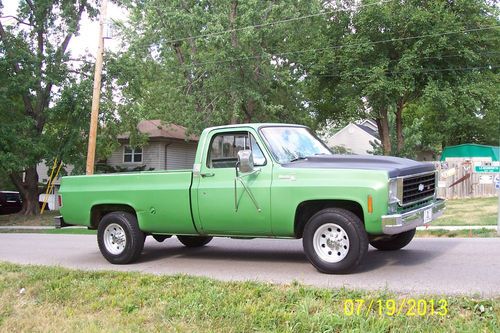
x=168 y=148
x=355 y=138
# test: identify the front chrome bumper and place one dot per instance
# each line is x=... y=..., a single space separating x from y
x=398 y=223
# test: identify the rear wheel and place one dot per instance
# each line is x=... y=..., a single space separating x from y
x=335 y=241
x=393 y=242
x=194 y=241
x=119 y=238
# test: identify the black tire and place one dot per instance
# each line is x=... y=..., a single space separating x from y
x=393 y=242
x=353 y=232
x=194 y=241
x=134 y=237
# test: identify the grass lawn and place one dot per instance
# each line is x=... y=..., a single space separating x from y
x=479 y=211
x=47 y=219
x=457 y=233
x=51 y=299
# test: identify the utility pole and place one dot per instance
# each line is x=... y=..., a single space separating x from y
x=96 y=93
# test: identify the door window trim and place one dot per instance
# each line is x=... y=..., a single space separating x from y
x=221 y=133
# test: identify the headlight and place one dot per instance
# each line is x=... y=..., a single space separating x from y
x=395 y=190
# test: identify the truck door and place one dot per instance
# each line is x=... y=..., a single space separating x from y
x=221 y=208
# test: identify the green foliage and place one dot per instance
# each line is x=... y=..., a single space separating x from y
x=44 y=94
x=381 y=58
x=172 y=73
x=106 y=168
x=341 y=150
x=465 y=111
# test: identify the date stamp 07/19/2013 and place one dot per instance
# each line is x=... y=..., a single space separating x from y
x=409 y=307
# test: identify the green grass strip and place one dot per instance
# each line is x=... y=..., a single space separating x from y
x=51 y=299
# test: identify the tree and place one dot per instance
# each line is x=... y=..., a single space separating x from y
x=202 y=63
x=465 y=111
x=36 y=75
x=390 y=54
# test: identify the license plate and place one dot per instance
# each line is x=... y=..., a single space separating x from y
x=428 y=215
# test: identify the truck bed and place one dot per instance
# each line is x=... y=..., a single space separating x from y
x=161 y=199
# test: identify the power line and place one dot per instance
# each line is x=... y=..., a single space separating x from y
x=440 y=57
x=278 y=55
x=183 y=86
x=262 y=25
x=416 y=71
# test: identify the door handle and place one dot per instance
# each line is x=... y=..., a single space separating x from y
x=207 y=174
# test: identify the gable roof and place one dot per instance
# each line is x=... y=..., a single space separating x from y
x=369 y=131
x=156 y=129
x=369 y=123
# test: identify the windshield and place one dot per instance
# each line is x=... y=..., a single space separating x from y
x=289 y=144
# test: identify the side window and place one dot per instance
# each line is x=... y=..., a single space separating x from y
x=224 y=150
x=132 y=155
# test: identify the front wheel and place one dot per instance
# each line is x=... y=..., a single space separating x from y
x=394 y=242
x=335 y=241
x=194 y=241
x=119 y=238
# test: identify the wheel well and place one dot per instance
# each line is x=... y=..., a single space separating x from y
x=98 y=211
x=307 y=209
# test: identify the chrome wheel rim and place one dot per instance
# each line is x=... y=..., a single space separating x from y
x=331 y=242
x=114 y=239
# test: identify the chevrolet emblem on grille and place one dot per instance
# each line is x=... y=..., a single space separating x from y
x=421 y=187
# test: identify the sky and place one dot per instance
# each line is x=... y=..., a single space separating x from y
x=88 y=36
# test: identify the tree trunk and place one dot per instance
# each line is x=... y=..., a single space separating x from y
x=383 y=130
x=249 y=110
x=28 y=189
x=399 y=126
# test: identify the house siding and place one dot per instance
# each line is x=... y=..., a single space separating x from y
x=180 y=155
x=159 y=156
x=152 y=157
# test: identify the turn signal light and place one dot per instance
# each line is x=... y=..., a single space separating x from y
x=370 y=204
x=59 y=200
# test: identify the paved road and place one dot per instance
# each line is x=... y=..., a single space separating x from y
x=428 y=265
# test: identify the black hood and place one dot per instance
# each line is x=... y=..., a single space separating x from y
x=394 y=166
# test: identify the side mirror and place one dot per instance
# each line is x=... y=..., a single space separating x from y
x=245 y=161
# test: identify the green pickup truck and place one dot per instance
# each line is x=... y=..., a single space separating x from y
x=260 y=180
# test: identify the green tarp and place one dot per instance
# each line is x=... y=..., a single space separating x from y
x=471 y=151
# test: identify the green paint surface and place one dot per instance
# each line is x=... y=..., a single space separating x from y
x=184 y=202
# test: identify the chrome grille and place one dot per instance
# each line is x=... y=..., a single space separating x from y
x=418 y=188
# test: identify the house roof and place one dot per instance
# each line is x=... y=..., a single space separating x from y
x=156 y=129
x=369 y=131
x=369 y=123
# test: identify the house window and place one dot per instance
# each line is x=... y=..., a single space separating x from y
x=132 y=155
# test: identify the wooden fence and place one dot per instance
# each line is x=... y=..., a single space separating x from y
x=468 y=184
